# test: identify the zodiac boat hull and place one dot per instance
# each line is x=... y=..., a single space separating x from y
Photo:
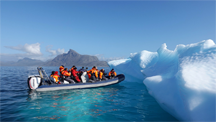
x=52 y=87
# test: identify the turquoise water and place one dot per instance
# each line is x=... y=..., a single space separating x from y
x=127 y=101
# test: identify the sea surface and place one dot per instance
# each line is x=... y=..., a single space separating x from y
x=127 y=101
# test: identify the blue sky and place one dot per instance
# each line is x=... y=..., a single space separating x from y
x=108 y=29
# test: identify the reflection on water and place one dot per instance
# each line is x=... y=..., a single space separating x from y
x=74 y=104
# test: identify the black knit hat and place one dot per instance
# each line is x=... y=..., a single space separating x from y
x=53 y=72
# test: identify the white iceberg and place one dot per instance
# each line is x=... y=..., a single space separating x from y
x=182 y=81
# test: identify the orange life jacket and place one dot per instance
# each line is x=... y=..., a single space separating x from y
x=61 y=68
x=93 y=71
x=66 y=73
x=112 y=73
x=56 y=76
x=100 y=74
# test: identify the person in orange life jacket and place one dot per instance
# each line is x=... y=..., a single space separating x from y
x=53 y=72
x=75 y=74
x=67 y=76
x=97 y=71
x=93 y=73
x=61 y=69
x=51 y=76
x=56 y=77
x=102 y=75
x=112 y=73
x=72 y=68
x=89 y=74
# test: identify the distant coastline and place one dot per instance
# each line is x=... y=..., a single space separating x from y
x=67 y=59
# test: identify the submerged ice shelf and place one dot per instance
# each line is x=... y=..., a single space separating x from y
x=182 y=81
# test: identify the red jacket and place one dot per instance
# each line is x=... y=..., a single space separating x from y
x=74 y=73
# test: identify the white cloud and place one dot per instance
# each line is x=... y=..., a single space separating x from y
x=31 y=49
x=54 y=52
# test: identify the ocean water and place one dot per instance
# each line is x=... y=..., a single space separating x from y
x=127 y=101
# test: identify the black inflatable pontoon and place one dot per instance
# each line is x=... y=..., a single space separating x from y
x=40 y=82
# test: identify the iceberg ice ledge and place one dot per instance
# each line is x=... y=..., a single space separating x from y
x=182 y=81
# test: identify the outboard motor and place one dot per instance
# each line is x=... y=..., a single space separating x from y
x=34 y=81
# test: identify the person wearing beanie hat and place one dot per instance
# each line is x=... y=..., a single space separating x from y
x=67 y=75
x=112 y=73
x=72 y=68
x=93 y=73
x=61 y=69
x=53 y=72
x=102 y=75
x=75 y=75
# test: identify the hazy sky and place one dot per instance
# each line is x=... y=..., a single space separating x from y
x=108 y=29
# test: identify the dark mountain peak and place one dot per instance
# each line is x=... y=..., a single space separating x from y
x=73 y=53
x=73 y=58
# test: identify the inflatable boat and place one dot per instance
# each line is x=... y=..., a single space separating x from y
x=42 y=82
